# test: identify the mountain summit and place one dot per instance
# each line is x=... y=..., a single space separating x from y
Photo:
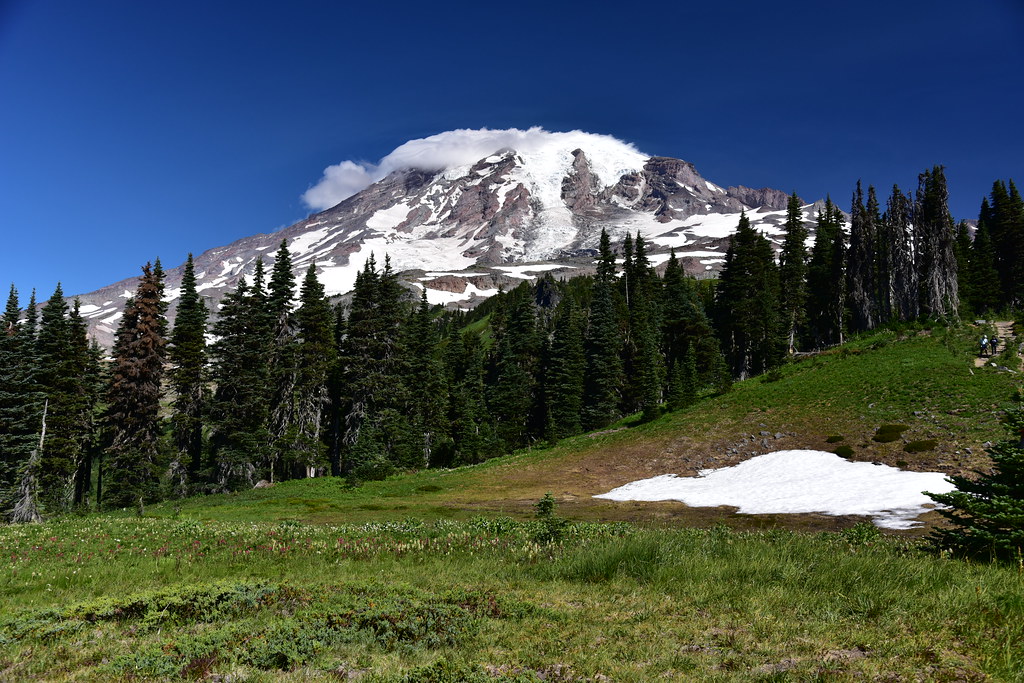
x=502 y=203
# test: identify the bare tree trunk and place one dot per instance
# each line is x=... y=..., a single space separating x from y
x=25 y=510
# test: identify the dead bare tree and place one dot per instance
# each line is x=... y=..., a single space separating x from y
x=25 y=510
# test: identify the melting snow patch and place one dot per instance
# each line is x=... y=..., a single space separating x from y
x=799 y=481
x=528 y=272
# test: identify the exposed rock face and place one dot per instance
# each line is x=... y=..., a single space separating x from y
x=545 y=207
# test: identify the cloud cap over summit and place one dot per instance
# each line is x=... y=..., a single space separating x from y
x=452 y=149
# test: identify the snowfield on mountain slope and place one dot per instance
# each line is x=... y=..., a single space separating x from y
x=800 y=481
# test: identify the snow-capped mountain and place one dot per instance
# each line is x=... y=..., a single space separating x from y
x=462 y=218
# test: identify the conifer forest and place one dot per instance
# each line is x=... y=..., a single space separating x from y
x=282 y=383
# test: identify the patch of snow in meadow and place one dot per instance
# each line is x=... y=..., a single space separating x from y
x=789 y=482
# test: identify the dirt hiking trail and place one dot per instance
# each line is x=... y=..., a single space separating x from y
x=1004 y=330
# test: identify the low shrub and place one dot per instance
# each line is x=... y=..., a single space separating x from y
x=835 y=438
x=921 y=446
x=844 y=451
x=888 y=433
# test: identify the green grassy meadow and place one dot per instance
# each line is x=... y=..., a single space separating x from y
x=448 y=576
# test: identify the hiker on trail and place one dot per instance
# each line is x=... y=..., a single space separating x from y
x=984 y=345
x=993 y=344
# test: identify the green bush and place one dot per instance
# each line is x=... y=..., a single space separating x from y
x=835 y=438
x=888 y=433
x=550 y=528
x=987 y=513
x=921 y=446
x=844 y=451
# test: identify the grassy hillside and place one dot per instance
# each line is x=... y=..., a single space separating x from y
x=445 y=576
x=925 y=381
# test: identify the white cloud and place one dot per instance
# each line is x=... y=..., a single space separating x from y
x=440 y=152
x=339 y=182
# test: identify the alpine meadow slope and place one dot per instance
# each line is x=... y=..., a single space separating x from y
x=450 y=576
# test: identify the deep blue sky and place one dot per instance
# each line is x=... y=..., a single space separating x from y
x=131 y=130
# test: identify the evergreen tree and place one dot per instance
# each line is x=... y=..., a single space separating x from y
x=603 y=378
x=428 y=404
x=861 y=286
x=642 y=358
x=300 y=448
x=20 y=409
x=747 y=303
x=987 y=511
x=60 y=383
x=935 y=261
x=511 y=397
x=826 y=278
x=472 y=438
x=900 y=238
x=793 y=272
x=188 y=380
x=282 y=364
x=683 y=382
x=87 y=361
x=133 y=413
x=985 y=291
x=564 y=376
x=377 y=435
x=336 y=397
x=962 y=254
x=240 y=408
x=628 y=280
x=685 y=324
x=1003 y=214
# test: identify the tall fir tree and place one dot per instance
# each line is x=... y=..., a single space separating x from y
x=985 y=290
x=602 y=383
x=642 y=361
x=20 y=408
x=747 y=303
x=133 y=412
x=685 y=325
x=60 y=381
x=793 y=273
x=239 y=409
x=377 y=435
x=511 y=399
x=899 y=235
x=428 y=399
x=282 y=363
x=962 y=254
x=87 y=361
x=683 y=382
x=1003 y=214
x=861 y=285
x=188 y=380
x=826 y=278
x=934 y=238
x=565 y=370
x=315 y=357
x=471 y=433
